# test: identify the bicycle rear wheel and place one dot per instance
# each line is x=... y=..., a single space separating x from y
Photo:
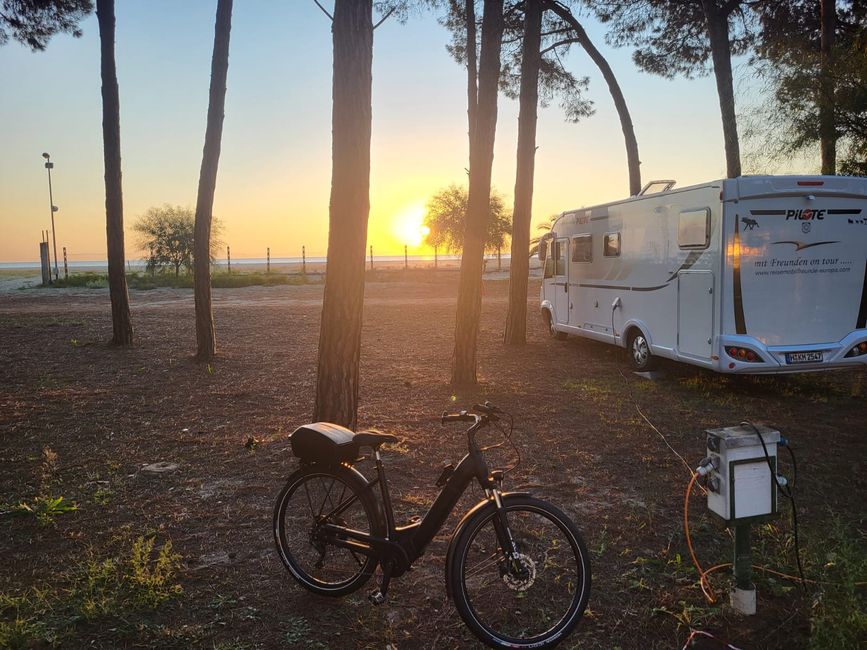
x=534 y=601
x=311 y=498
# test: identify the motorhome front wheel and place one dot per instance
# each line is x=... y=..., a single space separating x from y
x=549 y=320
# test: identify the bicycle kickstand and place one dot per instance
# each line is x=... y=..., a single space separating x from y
x=377 y=596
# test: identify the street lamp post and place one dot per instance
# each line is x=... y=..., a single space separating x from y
x=49 y=166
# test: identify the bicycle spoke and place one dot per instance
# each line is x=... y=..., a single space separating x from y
x=521 y=603
x=311 y=550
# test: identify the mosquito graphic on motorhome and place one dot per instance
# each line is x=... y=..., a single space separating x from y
x=691 y=274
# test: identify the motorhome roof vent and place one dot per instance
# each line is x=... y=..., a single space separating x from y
x=655 y=187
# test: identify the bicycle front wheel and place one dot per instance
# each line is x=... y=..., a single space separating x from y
x=534 y=600
x=312 y=498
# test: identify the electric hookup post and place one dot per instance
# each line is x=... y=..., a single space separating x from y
x=742 y=485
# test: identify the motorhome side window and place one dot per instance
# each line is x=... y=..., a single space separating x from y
x=555 y=264
x=611 y=245
x=559 y=258
x=582 y=248
x=693 y=228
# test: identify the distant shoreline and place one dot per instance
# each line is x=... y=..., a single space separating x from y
x=254 y=262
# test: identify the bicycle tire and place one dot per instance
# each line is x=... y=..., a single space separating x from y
x=540 y=603
x=303 y=505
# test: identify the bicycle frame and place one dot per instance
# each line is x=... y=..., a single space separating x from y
x=405 y=544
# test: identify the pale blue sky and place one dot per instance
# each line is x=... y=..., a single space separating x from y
x=274 y=176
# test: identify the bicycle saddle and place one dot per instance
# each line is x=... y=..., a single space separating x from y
x=323 y=441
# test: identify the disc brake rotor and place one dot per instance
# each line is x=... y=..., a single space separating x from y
x=524 y=576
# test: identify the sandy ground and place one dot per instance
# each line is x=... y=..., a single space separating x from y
x=581 y=430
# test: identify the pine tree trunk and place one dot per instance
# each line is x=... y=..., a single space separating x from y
x=827 y=130
x=206 y=340
x=340 y=330
x=633 y=163
x=120 y=315
x=519 y=267
x=472 y=68
x=479 y=196
x=718 y=33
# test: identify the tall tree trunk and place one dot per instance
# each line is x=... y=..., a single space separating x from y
x=120 y=316
x=340 y=330
x=206 y=340
x=472 y=68
x=632 y=161
x=519 y=267
x=479 y=196
x=827 y=127
x=720 y=48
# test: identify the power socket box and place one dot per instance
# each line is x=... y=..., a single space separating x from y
x=742 y=487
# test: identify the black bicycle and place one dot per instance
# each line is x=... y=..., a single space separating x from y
x=516 y=567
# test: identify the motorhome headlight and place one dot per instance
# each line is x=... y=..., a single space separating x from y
x=744 y=354
x=858 y=350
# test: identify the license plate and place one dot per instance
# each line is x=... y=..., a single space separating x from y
x=803 y=357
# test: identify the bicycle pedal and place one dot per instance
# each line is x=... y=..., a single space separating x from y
x=376 y=597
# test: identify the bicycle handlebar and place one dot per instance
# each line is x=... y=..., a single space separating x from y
x=462 y=416
x=487 y=411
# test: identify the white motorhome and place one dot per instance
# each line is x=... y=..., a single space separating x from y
x=757 y=274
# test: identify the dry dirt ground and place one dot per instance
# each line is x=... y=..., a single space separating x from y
x=585 y=446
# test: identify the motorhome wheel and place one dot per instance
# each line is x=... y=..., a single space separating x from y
x=640 y=357
x=560 y=336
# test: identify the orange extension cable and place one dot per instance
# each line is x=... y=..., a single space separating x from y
x=706 y=589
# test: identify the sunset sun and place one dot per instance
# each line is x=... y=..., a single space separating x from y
x=409 y=227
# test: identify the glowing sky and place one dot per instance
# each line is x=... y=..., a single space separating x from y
x=275 y=169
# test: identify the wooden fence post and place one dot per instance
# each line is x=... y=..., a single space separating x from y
x=303 y=260
x=229 y=259
x=405 y=259
x=65 y=266
x=268 y=253
x=371 y=257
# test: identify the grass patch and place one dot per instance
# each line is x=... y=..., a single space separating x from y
x=839 y=612
x=234 y=280
x=818 y=388
x=146 y=281
x=107 y=591
x=595 y=390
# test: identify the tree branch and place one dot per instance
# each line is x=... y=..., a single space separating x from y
x=385 y=17
x=316 y=2
x=568 y=41
x=729 y=7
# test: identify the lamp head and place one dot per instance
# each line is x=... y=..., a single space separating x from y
x=46 y=156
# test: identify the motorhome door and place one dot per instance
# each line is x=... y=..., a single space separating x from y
x=560 y=285
x=695 y=313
